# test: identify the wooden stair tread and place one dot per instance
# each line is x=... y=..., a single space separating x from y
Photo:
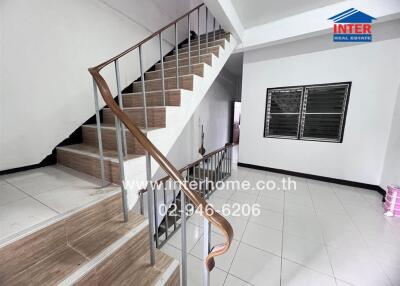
x=194 y=57
x=141 y=273
x=94 y=151
x=139 y=93
x=214 y=50
x=50 y=270
x=92 y=243
x=88 y=237
x=112 y=126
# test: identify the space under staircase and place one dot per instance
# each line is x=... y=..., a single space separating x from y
x=108 y=242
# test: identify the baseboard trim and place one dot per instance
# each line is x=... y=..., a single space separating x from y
x=316 y=177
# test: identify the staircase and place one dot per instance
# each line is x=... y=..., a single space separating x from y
x=164 y=121
x=108 y=243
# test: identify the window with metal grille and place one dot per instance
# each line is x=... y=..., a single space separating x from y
x=312 y=112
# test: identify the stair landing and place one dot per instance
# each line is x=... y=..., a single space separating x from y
x=89 y=246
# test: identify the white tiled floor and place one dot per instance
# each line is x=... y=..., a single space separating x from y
x=319 y=234
x=32 y=197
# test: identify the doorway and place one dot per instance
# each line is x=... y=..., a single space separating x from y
x=235 y=131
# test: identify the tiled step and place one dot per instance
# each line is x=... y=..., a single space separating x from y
x=195 y=49
x=211 y=37
x=124 y=271
x=85 y=158
x=92 y=246
x=89 y=134
x=155 y=116
x=185 y=82
x=203 y=43
x=207 y=58
x=184 y=55
x=153 y=98
x=217 y=32
x=197 y=69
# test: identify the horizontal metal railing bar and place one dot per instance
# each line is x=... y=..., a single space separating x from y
x=187 y=167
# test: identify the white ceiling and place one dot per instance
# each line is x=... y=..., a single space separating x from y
x=257 y=12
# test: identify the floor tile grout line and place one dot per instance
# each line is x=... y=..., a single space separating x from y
x=237 y=249
x=363 y=238
x=323 y=236
x=32 y=197
x=283 y=227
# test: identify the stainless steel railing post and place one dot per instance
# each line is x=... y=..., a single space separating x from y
x=206 y=250
x=166 y=214
x=189 y=43
x=198 y=30
x=157 y=235
x=214 y=28
x=121 y=169
x=206 y=30
x=177 y=55
x=162 y=69
x=183 y=239
x=99 y=137
x=121 y=105
x=150 y=193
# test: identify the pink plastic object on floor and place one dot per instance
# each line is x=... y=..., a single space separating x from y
x=392 y=203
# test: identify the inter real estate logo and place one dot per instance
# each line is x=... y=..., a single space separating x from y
x=352 y=26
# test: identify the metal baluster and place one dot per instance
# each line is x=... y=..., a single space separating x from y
x=121 y=105
x=162 y=69
x=214 y=29
x=189 y=60
x=198 y=30
x=208 y=176
x=141 y=203
x=121 y=169
x=204 y=179
x=230 y=160
x=206 y=30
x=213 y=169
x=219 y=36
x=219 y=165
x=230 y=164
x=155 y=192
x=183 y=239
x=176 y=211
x=177 y=56
x=150 y=194
x=206 y=249
x=166 y=216
x=225 y=163
x=99 y=137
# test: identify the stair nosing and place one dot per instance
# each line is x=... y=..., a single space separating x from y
x=207 y=54
x=167 y=273
x=185 y=53
x=202 y=42
x=94 y=126
x=86 y=153
x=153 y=91
x=202 y=49
x=139 y=107
x=165 y=78
x=53 y=220
x=104 y=254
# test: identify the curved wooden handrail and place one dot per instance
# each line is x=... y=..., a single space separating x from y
x=211 y=215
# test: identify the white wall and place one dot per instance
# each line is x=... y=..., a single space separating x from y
x=45 y=49
x=374 y=71
x=214 y=112
x=391 y=169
